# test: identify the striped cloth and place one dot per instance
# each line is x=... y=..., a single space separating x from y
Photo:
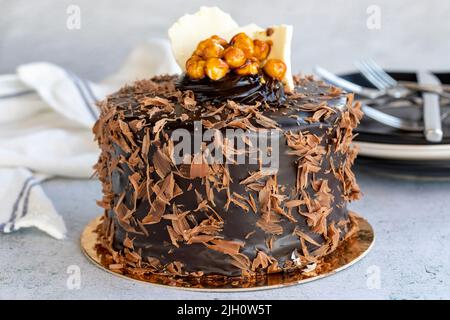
x=46 y=116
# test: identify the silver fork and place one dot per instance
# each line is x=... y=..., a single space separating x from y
x=380 y=79
x=372 y=94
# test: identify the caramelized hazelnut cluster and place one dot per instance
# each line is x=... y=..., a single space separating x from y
x=215 y=57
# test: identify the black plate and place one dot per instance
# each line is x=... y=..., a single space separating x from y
x=372 y=131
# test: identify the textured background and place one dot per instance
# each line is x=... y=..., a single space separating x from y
x=413 y=34
x=411 y=218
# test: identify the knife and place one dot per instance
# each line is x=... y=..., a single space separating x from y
x=431 y=108
x=347 y=85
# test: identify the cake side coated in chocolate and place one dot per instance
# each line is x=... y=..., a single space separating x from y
x=224 y=219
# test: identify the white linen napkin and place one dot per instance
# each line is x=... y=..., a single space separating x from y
x=46 y=116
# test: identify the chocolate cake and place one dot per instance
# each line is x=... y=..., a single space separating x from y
x=224 y=219
x=230 y=218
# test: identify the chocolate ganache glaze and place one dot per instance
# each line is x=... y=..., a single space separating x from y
x=229 y=219
x=242 y=89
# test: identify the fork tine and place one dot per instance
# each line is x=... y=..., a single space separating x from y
x=369 y=75
x=378 y=73
x=380 y=79
x=382 y=73
x=379 y=76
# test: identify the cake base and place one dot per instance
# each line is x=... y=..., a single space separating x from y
x=348 y=253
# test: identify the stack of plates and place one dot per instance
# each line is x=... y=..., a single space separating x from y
x=392 y=151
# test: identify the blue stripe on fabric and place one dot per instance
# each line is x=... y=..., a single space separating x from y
x=89 y=89
x=82 y=94
x=15 y=207
x=26 y=199
x=16 y=94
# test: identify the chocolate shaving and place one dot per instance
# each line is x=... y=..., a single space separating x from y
x=166 y=105
x=162 y=163
x=261 y=260
x=225 y=246
x=199 y=167
x=188 y=101
x=304 y=236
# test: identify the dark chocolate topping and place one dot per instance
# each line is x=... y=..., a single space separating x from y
x=241 y=89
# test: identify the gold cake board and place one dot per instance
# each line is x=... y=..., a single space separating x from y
x=348 y=253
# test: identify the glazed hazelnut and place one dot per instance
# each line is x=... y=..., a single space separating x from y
x=216 y=68
x=275 y=68
x=220 y=40
x=250 y=67
x=192 y=59
x=243 y=42
x=261 y=49
x=212 y=47
x=213 y=50
x=195 y=68
x=234 y=57
x=202 y=45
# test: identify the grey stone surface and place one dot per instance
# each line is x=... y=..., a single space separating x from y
x=411 y=218
x=412 y=251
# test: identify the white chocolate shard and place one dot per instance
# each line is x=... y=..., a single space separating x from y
x=190 y=29
x=249 y=29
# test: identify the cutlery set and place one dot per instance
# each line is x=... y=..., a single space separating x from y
x=427 y=93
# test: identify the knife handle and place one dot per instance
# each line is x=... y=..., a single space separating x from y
x=434 y=135
x=432 y=117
